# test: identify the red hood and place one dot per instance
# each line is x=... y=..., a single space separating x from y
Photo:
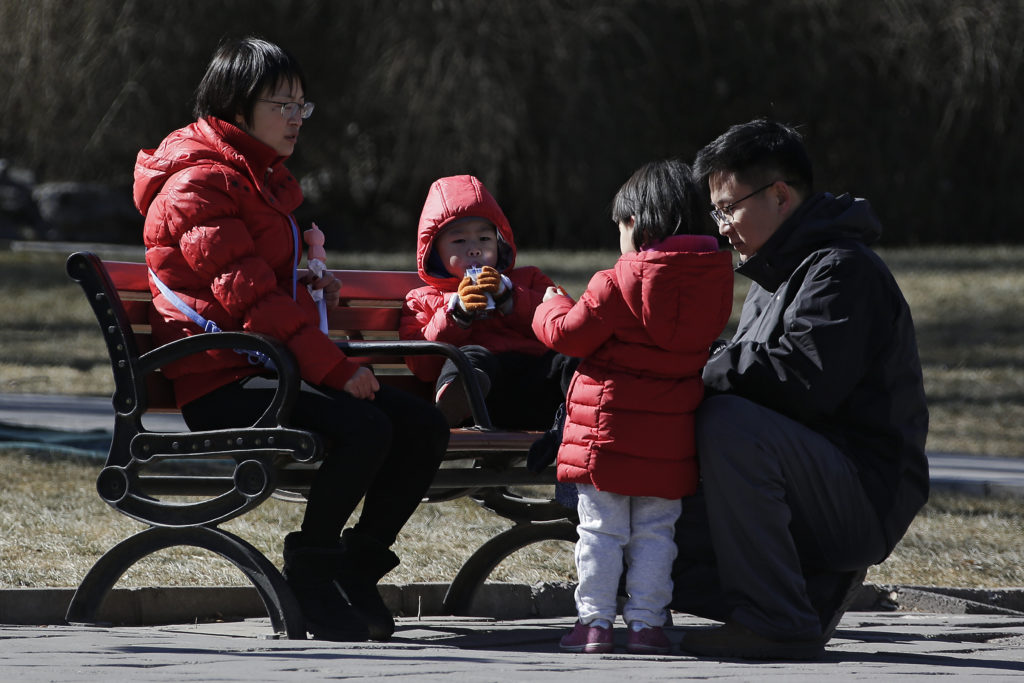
x=663 y=295
x=450 y=199
x=207 y=141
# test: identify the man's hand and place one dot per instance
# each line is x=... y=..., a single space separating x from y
x=472 y=296
x=328 y=284
x=363 y=384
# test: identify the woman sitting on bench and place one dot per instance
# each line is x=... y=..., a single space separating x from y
x=223 y=248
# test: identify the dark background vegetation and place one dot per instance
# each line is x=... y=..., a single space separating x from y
x=552 y=103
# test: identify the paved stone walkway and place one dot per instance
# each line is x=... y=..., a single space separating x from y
x=867 y=647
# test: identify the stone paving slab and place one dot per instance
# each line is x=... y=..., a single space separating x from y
x=868 y=646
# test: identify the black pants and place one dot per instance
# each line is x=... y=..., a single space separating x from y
x=525 y=390
x=780 y=518
x=384 y=452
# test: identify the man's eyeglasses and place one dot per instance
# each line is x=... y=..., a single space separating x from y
x=290 y=110
x=723 y=216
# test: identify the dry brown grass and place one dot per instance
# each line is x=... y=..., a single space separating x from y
x=55 y=527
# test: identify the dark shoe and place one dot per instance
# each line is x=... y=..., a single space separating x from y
x=363 y=563
x=452 y=401
x=847 y=593
x=733 y=641
x=310 y=573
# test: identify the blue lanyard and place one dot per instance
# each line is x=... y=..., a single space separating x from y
x=255 y=357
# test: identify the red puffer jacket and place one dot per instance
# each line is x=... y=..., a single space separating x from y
x=425 y=314
x=218 y=232
x=643 y=330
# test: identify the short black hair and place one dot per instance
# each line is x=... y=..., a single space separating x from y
x=758 y=152
x=239 y=72
x=662 y=199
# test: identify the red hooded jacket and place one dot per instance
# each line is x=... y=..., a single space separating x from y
x=218 y=232
x=643 y=330
x=425 y=314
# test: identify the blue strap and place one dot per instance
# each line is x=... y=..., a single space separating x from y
x=298 y=255
x=255 y=357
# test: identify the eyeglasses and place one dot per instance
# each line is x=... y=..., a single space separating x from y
x=290 y=110
x=723 y=216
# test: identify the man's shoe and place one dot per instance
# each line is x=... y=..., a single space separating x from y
x=587 y=639
x=850 y=590
x=733 y=641
x=650 y=640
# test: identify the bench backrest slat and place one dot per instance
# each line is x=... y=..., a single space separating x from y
x=370 y=308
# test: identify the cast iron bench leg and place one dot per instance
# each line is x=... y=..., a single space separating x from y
x=285 y=614
x=479 y=566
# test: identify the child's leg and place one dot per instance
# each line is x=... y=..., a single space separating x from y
x=450 y=392
x=649 y=554
x=603 y=530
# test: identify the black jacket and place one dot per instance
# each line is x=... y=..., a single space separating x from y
x=826 y=338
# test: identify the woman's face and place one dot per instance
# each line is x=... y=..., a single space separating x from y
x=269 y=125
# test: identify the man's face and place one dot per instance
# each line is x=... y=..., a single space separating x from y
x=753 y=213
x=469 y=242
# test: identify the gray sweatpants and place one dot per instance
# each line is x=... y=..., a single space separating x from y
x=637 y=529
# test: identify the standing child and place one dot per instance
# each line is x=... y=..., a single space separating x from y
x=487 y=314
x=642 y=330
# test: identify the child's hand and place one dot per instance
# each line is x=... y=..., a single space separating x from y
x=489 y=280
x=554 y=291
x=472 y=296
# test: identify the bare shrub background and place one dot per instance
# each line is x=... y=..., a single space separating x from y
x=552 y=103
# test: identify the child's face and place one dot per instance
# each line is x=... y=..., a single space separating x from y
x=626 y=236
x=470 y=242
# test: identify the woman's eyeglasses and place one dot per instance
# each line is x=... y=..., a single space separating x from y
x=290 y=110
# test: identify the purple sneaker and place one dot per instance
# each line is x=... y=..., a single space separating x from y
x=588 y=639
x=650 y=640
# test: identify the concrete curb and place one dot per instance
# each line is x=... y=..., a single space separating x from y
x=505 y=601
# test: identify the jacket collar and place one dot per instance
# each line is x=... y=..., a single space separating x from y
x=258 y=156
x=822 y=219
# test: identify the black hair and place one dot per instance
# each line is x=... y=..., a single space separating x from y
x=239 y=72
x=662 y=199
x=758 y=152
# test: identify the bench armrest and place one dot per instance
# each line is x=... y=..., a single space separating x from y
x=285 y=365
x=419 y=347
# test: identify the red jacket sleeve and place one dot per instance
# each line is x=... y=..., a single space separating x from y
x=577 y=329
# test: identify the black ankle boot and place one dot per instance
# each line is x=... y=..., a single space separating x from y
x=364 y=561
x=311 y=573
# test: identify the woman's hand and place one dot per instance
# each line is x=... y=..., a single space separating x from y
x=328 y=284
x=363 y=384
